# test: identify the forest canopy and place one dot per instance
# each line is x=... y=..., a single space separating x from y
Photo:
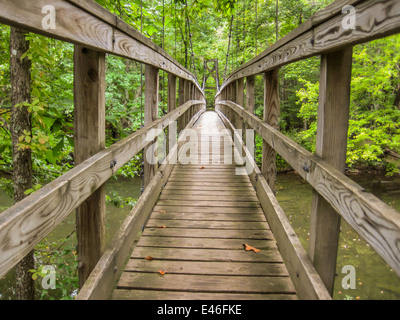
x=192 y=31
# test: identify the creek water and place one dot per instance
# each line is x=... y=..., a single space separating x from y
x=374 y=279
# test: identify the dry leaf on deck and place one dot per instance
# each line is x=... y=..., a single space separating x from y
x=250 y=248
x=162 y=227
x=202 y=168
x=162 y=272
x=149 y=258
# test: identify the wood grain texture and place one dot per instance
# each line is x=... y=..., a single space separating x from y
x=89 y=138
x=375 y=221
x=331 y=146
x=271 y=117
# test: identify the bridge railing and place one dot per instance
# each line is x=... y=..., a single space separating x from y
x=331 y=34
x=95 y=32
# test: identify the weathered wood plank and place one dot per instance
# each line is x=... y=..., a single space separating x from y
x=203 y=243
x=184 y=215
x=266 y=256
x=207 y=268
x=208 y=224
x=210 y=209
x=204 y=233
x=220 y=197
x=206 y=283
x=199 y=203
x=121 y=294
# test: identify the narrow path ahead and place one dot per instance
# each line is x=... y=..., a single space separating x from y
x=198 y=232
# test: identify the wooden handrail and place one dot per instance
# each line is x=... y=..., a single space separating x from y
x=324 y=32
x=26 y=223
x=375 y=221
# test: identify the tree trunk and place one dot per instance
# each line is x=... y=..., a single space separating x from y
x=22 y=162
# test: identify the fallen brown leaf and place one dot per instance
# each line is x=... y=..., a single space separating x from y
x=250 y=248
x=162 y=211
x=149 y=258
x=162 y=272
x=202 y=168
x=162 y=227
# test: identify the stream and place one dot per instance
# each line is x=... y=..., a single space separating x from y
x=374 y=278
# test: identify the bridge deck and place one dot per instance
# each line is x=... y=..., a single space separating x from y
x=196 y=235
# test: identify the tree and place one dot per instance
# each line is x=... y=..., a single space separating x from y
x=21 y=128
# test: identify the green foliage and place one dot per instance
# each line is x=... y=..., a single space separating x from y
x=62 y=256
x=374 y=119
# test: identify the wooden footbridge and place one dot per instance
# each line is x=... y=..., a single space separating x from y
x=208 y=225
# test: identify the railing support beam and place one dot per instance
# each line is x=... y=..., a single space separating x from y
x=331 y=146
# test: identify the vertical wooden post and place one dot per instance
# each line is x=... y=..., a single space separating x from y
x=331 y=146
x=171 y=92
x=171 y=106
x=181 y=101
x=271 y=116
x=89 y=136
x=150 y=114
x=250 y=90
x=240 y=92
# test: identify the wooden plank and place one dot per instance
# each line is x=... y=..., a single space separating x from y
x=173 y=186
x=375 y=19
x=331 y=146
x=204 y=243
x=270 y=255
x=121 y=294
x=209 y=209
x=207 y=268
x=207 y=216
x=194 y=197
x=203 y=233
x=208 y=224
x=375 y=221
x=89 y=138
x=205 y=203
x=206 y=283
x=211 y=184
x=220 y=197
